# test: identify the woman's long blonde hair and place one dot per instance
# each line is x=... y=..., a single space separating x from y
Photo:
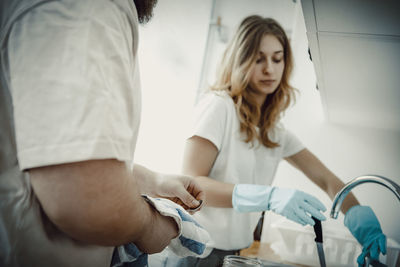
x=234 y=73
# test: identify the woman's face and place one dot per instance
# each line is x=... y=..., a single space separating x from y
x=267 y=71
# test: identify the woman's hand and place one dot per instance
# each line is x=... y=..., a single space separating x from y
x=295 y=205
x=364 y=225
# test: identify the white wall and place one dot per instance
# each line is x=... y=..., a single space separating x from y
x=171 y=48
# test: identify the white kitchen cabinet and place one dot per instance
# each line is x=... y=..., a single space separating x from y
x=355 y=47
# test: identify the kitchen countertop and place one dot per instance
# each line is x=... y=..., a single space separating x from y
x=263 y=251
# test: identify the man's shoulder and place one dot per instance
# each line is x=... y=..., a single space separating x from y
x=10 y=11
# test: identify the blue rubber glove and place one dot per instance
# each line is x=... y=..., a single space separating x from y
x=365 y=227
x=293 y=204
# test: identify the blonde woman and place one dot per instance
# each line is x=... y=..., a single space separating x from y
x=238 y=141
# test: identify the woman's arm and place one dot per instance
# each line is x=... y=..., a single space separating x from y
x=199 y=157
x=319 y=174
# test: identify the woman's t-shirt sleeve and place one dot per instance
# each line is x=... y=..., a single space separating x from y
x=209 y=120
x=292 y=144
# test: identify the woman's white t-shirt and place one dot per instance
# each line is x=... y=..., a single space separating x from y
x=237 y=162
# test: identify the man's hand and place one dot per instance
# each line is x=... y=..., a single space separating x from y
x=182 y=189
x=155 y=241
x=193 y=238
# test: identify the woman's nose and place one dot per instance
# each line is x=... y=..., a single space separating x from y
x=267 y=68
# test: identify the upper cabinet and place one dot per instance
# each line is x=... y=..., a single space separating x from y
x=355 y=48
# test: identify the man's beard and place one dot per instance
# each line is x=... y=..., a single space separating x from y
x=145 y=9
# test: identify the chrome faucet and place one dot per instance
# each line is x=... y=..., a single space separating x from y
x=341 y=195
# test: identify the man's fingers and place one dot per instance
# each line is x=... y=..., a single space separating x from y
x=201 y=196
x=196 y=190
x=178 y=201
x=188 y=199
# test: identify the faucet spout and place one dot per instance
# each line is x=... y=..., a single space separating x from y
x=341 y=195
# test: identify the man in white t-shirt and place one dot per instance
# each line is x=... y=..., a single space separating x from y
x=69 y=120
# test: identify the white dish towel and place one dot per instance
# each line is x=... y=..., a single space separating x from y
x=192 y=239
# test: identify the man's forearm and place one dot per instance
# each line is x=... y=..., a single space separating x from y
x=147 y=180
x=99 y=202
